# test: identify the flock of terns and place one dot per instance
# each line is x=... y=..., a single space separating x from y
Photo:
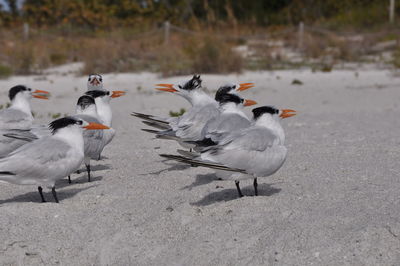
x=215 y=133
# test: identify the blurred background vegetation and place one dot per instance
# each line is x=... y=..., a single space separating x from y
x=206 y=36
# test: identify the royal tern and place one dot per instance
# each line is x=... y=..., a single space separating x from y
x=95 y=82
x=102 y=99
x=231 y=115
x=18 y=116
x=48 y=159
x=193 y=127
x=189 y=90
x=94 y=140
x=257 y=151
x=202 y=104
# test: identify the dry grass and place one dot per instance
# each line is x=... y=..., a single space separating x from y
x=206 y=52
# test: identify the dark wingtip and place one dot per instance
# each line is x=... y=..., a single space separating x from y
x=6 y=173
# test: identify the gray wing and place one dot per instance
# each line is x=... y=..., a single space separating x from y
x=11 y=118
x=224 y=125
x=10 y=144
x=190 y=126
x=12 y=139
x=36 y=132
x=46 y=158
x=249 y=139
x=256 y=150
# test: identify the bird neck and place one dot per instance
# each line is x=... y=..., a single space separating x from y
x=91 y=87
x=21 y=103
x=104 y=111
x=199 y=97
x=72 y=135
x=89 y=110
x=232 y=108
x=273 y=125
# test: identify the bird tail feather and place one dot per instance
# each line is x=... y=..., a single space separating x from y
x=200 y=163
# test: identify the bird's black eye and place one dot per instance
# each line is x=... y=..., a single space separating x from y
x=179 y=86
x=88 y=79
x=100 y=79
x=79 y=122
x=108 y=93
x=29 y=89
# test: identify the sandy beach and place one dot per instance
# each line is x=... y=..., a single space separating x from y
x=336 y=200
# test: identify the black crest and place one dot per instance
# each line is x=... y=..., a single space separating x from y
x=15 y=90
x=85 y=101
x=63 y=122
x=192 y=84
x=257 y=112
x=225 y=89
x=228 y=98
x=97 y=93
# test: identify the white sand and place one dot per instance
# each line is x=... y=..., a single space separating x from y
x=335 y=201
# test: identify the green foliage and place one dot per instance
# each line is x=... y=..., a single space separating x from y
x=100 y=14
x=176 y=114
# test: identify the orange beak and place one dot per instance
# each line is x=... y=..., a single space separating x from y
x=41 y=94
x=167 y=87
x=287 y=113
x=116 y=94
x=245 y=86
x=93 y=126
x=95 y=82
x=249 y=103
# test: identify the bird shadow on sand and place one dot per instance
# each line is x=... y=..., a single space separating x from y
x=173 y=167
x=77 y=180
x=264 y=190
x=201 y=180
x=35 y=197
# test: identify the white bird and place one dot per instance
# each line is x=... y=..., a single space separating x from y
x=203 y=105
x=48 y=159
x=18 y=116
x=94 y=140
x=190 y=125
x=194 y=127
x=95 y=82
x=257 y=151
x=231 y=115
x=102 y=99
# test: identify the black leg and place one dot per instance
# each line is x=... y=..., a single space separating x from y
x=255 y=186
x=238 y=189
x=41 y=193
x=53 y=191
x=190 y=150
x=69 y=179
x=88 y=171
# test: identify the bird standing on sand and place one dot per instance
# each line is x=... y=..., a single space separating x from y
x=256 y=151
x=48 y=159
x=94 y=140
